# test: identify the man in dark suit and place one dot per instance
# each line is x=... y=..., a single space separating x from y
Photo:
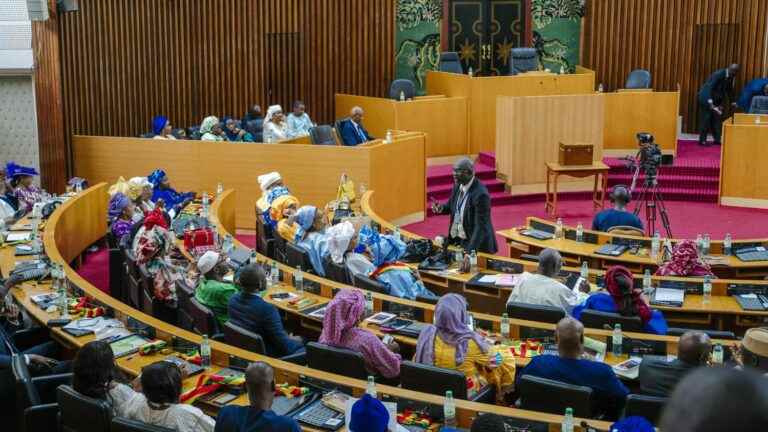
x=659 y=376
x=352 y=131
x=716 y=92
x=470 y=210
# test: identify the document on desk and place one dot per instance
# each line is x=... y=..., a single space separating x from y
x=489 y=279
x=17 y=236
x=669 y=295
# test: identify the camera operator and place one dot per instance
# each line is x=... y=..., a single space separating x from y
x=713 y=97
x=650 y=157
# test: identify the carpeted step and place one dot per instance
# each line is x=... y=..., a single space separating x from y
x=487 y=158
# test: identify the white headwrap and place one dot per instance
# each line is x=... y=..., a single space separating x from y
x=207 y=261
x=269 y=179
x=208 y=123
x=140 y=182
x=339 y=237
x=271 y=112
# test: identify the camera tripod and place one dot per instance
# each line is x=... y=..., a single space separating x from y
x=650 y=197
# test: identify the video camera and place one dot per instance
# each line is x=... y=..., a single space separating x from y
x=648 y=158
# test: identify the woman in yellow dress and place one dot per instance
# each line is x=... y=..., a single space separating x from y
x=451 y=344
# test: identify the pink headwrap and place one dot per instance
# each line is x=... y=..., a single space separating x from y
x=685 y=262
x=342 y=314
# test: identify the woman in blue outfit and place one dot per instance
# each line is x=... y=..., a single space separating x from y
x=624 y=299
x=384 y=252
x=161 y=189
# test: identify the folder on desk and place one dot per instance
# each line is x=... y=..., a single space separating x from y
x=668 y=297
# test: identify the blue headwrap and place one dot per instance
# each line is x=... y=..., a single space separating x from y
x=633 y=424
x=383 y=248
x=12 y=170
x=117 y=204
x=304 y=218
x=368 y=415
x=156 y=177
x=275 y=193
x=158 y=124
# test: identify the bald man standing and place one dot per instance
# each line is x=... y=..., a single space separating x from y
x=570 y=367
x=659 y=376
x=258 y=417
x=470 y=210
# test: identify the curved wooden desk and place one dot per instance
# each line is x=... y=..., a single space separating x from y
x=66 y=236
x=722 y=312
x=724 y=266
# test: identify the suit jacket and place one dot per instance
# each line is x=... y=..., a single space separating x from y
x=658 y=376
x=718 y=87
x=477 y=218
x=252 y=313
x=349 y=135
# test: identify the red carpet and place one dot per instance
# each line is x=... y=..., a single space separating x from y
x=95 y=269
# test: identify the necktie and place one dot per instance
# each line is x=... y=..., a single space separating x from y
x=360 y=132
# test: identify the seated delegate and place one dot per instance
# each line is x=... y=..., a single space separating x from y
x=542 y=288
x=152 y=246
x=299 y=122
x=753 y=350
x=570 y=367
x=451 y=344
x=340 y=329
x=685 y=262
x=618 y=215
x=162 y=190
x=24 y=191
x=210 y=130
x=94 y=374
x=624 y=299
x=275 y=127
x=212 y=291
x=352 y=131
x=120 y=213
x=659 y=375
x=248 y=310
x=258 y=415
x=162 y=128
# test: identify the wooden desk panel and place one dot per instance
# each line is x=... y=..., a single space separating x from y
x=630 y=112
x=311 y=172
x=743 y=177
x=749 y=119
x=531 y=129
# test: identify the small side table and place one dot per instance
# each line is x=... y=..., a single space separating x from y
x=597 y=169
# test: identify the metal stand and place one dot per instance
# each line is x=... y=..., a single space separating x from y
x=650 y=198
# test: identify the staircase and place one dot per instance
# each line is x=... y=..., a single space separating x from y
x=694 y=177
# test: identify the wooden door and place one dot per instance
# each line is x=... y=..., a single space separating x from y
x=468 y=29
x=506 y=30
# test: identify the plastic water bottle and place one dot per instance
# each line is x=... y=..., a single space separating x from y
x=298 y=278
x=706 y=244
x=396 y=233
x=388 y=138
x=254 y=259
x=3 y=231
x=471 y=321
x=505 y=326
x=228 y=244
x=473 y=262
x=458 y=256
x=584 y=271
x=368 y=302
x=274 y=273
x=727 y=244
x=205 y=199
x=219 y=189
x=402 y=96
x=370 y=388
x=717 y=354
x=205 y=352
x=470 y=72
x=757 y=120
x=655 y=245
x=562 y=70
x=567 y=425
x=600 y=88
x=559 y=231
x=707 y=289
x=62 y=287
x=667 y=249
x=647 y=280
x=579 y=232
x=78 y=187
x=449 y=410
x=617 y=340
x=699 y=243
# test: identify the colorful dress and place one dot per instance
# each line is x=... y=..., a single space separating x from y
x=27 y=197
x=496 y=367
x=151 y=248
x=121 y=228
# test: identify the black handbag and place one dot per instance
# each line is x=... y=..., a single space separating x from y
x=417 y=251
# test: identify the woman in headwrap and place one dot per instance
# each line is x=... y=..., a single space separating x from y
x=685 y=262
x=451 y=344
x=384 y=251
x=162 y=128
x=151 y=247
x=25 y=192
x=275 y=127
x=267 y=183
x=311 y=235
x=162 y=190
x=140 y=191
x=210 y=129
x=7 y=204
x=282 y=208
x=623 y=298
x=234 y=133
x=120 y=215
x=340 y=329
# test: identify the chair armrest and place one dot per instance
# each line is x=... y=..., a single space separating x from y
x=46 y=385
x=41 y=417
x=486 y=394
x=27 y=338
x=299 y=358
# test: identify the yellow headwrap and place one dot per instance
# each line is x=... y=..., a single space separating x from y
x=280 y=204
x=132 y=191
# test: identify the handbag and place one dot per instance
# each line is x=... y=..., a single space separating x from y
x=417 y=251
x=199 y=241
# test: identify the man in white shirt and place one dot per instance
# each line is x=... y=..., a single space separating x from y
x=543 y=289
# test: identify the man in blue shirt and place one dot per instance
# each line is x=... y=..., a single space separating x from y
x=352 y=131
x=569 y=367
x=618 y=215
x=248 y=310
x=258 y=417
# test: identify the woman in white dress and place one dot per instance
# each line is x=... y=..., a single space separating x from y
x=275 y=127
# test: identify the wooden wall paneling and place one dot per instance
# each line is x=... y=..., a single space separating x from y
x=630 y=112
x=48 y=102
x=125 y=62
x=742 y=174
x=661 y=36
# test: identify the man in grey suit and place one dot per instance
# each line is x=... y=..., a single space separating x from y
x=659 y=376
